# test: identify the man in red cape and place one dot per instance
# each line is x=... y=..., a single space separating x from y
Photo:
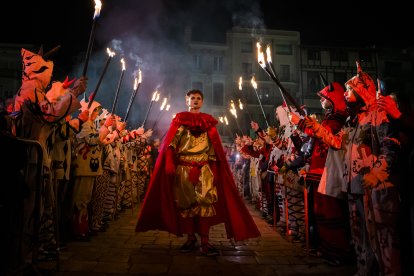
x=164 y=208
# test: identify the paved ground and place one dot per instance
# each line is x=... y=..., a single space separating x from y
x=122 y=251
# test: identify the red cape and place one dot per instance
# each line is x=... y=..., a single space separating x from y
x=158 y=210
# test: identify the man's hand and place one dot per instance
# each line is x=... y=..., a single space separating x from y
x=120 y=126
x=110 y=121
x=388 y=104
x=140 y=130
x=293 y=118
x=84 y=115
x=80 y=86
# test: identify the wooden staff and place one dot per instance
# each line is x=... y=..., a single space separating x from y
x=154 y=98
x=254 y=84
x=137 y=84
x=119 y=87
x=92 y=97
x=244 y=98
x=272 y=74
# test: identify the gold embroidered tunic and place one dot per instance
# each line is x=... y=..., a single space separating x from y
x=194 y=152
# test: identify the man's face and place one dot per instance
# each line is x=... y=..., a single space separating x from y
x=194 y=101
x=350 y=95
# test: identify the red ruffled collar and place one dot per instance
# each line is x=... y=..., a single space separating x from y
x=200 y=121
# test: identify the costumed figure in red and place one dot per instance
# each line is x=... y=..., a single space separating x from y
x=328 y=211
x=186 y=193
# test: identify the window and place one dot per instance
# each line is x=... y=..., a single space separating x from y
x=197 y=61
x=339 y=55
x=283 y=49
x=314 y=54
x=246 y=47
x=218 y=93
x=197 y=85
x=218 y=64
x=284 y=73
x=247 y=70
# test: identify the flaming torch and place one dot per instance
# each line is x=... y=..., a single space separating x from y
x=272 y=74
x=108 y=60
x=254 y=84
x=221 y=119
x=98 y=6
x=233 y=111
x=137 y=83
x=155 y=97
x=159 y=113
x=244 y=99
x=119 y=86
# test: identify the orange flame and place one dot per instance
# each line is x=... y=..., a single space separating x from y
x=123 y=64
x=110 y=53
x=254 y=83
x=98 y=6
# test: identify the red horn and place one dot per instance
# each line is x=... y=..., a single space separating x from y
x=67 y=82
x=359 y=69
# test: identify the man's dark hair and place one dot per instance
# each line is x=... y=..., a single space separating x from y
x=195 y=91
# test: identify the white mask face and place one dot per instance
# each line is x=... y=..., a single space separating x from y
x=194 y=101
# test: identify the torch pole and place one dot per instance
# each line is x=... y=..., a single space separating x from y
x=238 y=126
x=117 y=92
x=156 y=120
x=99 y=82
x=89 y=49
x=283 y=91
x=261 y=106
x=146 y=115
x=131 y=100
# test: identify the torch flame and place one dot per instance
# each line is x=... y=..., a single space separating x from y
x=98 y=6
x=173 y=116
x=254 y=83
x=123 y=64
x=221 y=119
x=225 y=119
x=233 y=109
x=157 y=97
x=164 y=102
x=135 y=84
x=139 y=76
x=240 y=83
x=231 y=103
x=168 y=107
x=240 y=105
x=268 y=54
x=154 y=95
x=260 y=56
x=259 y=47
x=110 y=53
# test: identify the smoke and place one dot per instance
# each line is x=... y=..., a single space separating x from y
x=149 y=35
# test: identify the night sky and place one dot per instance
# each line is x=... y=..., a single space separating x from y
x=140 y=30
x=348 y=23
